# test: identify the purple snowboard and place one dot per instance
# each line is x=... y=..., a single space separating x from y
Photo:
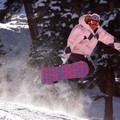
x=54 y=74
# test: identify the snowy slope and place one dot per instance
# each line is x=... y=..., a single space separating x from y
x=10 y=111
x=21 y=91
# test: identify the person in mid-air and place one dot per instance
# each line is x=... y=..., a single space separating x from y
x=85 y=36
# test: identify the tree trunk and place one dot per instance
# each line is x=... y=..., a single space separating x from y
x=111 y=5
x=109 y=91
x=32 y=25
x=76 y=6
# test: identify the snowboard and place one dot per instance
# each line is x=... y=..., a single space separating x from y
x=64 y=72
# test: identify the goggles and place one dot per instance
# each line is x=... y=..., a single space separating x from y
x=93 y=22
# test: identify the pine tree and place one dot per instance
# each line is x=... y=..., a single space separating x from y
x=11 y=7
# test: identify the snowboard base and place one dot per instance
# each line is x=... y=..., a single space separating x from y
x=69 y=71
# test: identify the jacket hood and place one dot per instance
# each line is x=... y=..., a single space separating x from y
x=83 y=23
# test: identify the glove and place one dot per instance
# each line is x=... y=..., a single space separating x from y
x=67 y=50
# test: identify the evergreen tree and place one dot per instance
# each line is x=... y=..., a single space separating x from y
x=11 y=7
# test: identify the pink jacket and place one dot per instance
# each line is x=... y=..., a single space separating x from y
x=78 y=39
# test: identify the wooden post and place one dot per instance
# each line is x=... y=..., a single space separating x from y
x=109 y=92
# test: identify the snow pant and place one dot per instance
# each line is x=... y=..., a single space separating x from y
x=78 y=57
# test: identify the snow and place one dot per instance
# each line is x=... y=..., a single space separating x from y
x=106 y=22
x=23 y=97
x=103 y=2
x=1 y=4
x=66 y=14
x=75 y=16
x=23 y=112
x=39 y=3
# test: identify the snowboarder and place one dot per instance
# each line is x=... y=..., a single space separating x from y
x=84 y=38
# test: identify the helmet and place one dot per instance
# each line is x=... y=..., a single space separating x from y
x=95 y=17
